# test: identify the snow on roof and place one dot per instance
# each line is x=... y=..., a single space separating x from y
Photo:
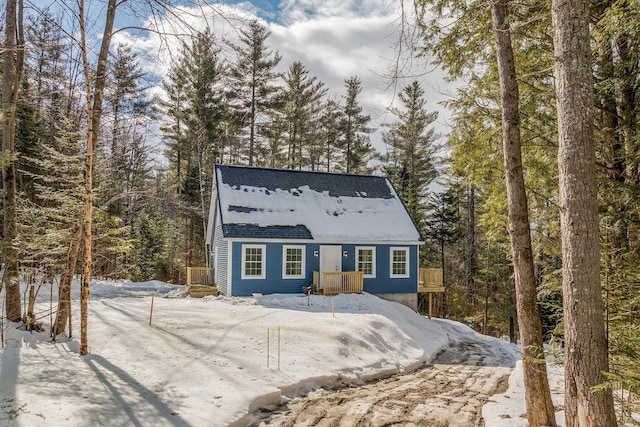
x=285 y=204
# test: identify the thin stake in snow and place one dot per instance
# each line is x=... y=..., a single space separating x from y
x=269 y=346
x=333 y=311
x=151 y=312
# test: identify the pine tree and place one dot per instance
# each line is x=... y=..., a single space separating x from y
x=331 y=118
x=122 y=180
x=301 y=103
x=355 y=133
x=199 y=128
x=50 y=224
x=586 y=358
x=174 y=128
x=411 y=150
x=442 y=219
x=253 y=79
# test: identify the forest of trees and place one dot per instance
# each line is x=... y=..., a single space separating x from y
x=226 y=103
x=152 y=157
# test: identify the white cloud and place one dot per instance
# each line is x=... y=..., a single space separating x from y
x=334 y=39
x=294 y=11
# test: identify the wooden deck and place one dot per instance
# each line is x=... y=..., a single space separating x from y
x=339 y=282
x=430 y=282
x=201 y=282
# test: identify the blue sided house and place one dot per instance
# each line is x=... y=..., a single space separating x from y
x=274 y=231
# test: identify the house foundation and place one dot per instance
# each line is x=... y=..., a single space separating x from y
x=410 y=300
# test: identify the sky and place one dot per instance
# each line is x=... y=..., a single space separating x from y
x=334 y=40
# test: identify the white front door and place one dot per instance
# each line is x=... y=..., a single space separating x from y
x=330 y=260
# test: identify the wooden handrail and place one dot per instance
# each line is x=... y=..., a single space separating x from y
x=342 y=282
x=200 y=276
x=431 y=280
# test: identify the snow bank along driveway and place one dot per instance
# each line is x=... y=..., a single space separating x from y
x=204 y=362
x=450 y=392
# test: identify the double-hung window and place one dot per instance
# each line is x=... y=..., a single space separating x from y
x=399 y=262
x=293 y=262
x=366 y=261
x=253 y=261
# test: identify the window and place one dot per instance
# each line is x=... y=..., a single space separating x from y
x=399 y=262
x=253 y=261
x=366 y=261
x=293 y=262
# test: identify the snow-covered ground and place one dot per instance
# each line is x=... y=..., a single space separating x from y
x=214 y=361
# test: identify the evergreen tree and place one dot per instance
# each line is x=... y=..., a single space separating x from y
x=331 y=118
x=199 y=127
x=50 y=223
x=130 y=111
x=587 y=360
x=174 y=126
x=302 y=101
x=442 y=219
x=253 y=79
x=355 y=133
x=411 y=150
x=124 y=171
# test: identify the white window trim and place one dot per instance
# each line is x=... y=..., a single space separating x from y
x=284 y=261
x=373 y=260
x=263 y=264
x=391 y=250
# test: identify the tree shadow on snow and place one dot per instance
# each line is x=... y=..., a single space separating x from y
x=8 y=377
x=140 y=406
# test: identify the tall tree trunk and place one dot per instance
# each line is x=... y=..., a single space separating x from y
x=540 y=410
x=93 y=92
x=471 y=241
x=586 y=352
x=13 y=66
x=64 y=294
x=252 y=118
x=513 y=315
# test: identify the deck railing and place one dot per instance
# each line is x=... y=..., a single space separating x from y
x=342 y=282
x=200 y=276
x=430 y=280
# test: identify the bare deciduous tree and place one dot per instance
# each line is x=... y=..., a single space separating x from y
x=94 y=95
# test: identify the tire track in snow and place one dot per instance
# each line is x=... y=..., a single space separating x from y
x=449 y=392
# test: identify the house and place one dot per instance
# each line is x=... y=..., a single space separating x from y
x=269 y=230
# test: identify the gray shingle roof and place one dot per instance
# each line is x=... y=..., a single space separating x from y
x=335 y=184
x=296 y=232
x=285 y=204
